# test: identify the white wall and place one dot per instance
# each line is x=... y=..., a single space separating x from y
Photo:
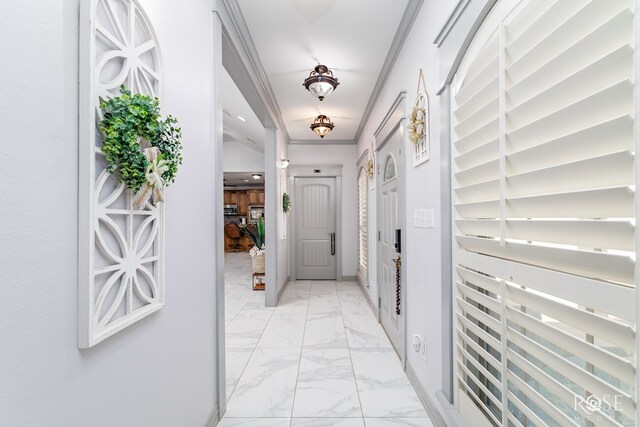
x=331 y=155
x=282 y=152
x=160 y=371
x=422 y=254
x=240 y=158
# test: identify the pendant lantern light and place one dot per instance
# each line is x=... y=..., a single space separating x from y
x=321 y=82
x=322 y=125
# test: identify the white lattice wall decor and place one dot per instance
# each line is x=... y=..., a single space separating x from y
x=120 y=249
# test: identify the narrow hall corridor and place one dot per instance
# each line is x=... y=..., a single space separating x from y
x=318 y=359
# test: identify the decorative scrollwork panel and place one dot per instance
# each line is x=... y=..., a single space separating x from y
x=121 y=248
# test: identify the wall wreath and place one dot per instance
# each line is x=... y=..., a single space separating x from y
x=143 y=148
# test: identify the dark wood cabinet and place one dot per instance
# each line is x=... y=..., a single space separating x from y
x=243 y=203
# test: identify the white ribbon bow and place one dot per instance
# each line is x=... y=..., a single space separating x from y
x=155 y=184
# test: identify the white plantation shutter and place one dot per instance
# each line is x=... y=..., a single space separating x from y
x=362 y=221
x=544 y=216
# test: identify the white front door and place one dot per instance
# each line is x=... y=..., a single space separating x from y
x=315 y=211
x=391 y=214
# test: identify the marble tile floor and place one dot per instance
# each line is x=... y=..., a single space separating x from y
x=319 y=359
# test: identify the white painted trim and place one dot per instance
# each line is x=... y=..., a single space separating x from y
x=455 y=14
x=449 y=413
x=240 y=41
x=409 y=16
x=374 y=307
x=271 y=201
x=434 y=414
x=214 y=418
x=390 y=120
x=363 y=158
x=323 y=142
x=446 y=265
x=217 y=132
x=465 y=26
x=636 y=109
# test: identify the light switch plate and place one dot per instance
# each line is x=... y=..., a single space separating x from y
x=420 y=218
x=430 y=218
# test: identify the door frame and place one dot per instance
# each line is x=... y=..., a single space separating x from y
x=234 y=51
x=394 y=119
x=310 y=171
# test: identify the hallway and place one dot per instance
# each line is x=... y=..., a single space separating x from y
x=318 y=359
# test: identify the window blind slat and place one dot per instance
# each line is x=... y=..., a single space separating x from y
x=532 y=395
x=582 y=144
x=478 y=297
x=483 y=135
x=594 y=78
x=594 y=234
x=597 y=265
x=576 y=116
x=606 y=360
x=579 y=376
x=490 y=340
x=591 y=323
x=609 y=170
x=557 y=38
x=478 y=119
x=479 y=315
x=463 y=339
x=478 y=155
x=479 y=173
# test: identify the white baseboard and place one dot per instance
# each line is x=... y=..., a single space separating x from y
x=363 y=289
x=214 y=418
x=348 y=278
x=432 y=410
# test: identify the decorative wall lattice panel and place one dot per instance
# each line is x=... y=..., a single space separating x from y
x=120 y=248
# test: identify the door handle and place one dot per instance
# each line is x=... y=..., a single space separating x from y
x=333 y=243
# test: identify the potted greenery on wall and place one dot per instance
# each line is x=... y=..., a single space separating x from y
x=286 y=203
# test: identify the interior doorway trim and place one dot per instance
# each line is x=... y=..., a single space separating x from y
x=234 y=51
x=393 y=120
x=315 y=171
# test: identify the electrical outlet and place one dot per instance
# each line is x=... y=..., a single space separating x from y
x=417 y=342
x=423 y=349
x=430 y=218
x=420 y=218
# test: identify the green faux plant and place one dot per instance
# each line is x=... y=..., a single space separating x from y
x=256 y=234
x=129 y=118
x=286 y=203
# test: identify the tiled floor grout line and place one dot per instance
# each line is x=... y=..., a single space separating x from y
x=353 y=369
x=304 y=332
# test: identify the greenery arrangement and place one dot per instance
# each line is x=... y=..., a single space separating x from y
x=257 y=237
x=130 y=119
x=286 y=202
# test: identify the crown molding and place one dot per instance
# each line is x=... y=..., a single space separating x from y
x=238 y=34
x=451 y=21
x=408 y=18
x=322 y=142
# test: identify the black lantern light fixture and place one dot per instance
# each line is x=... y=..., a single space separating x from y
x=322 y=125
x=321 y=82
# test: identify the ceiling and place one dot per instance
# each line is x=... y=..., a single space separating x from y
x=242 y=179
x=248 y=132
x=353 y=38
